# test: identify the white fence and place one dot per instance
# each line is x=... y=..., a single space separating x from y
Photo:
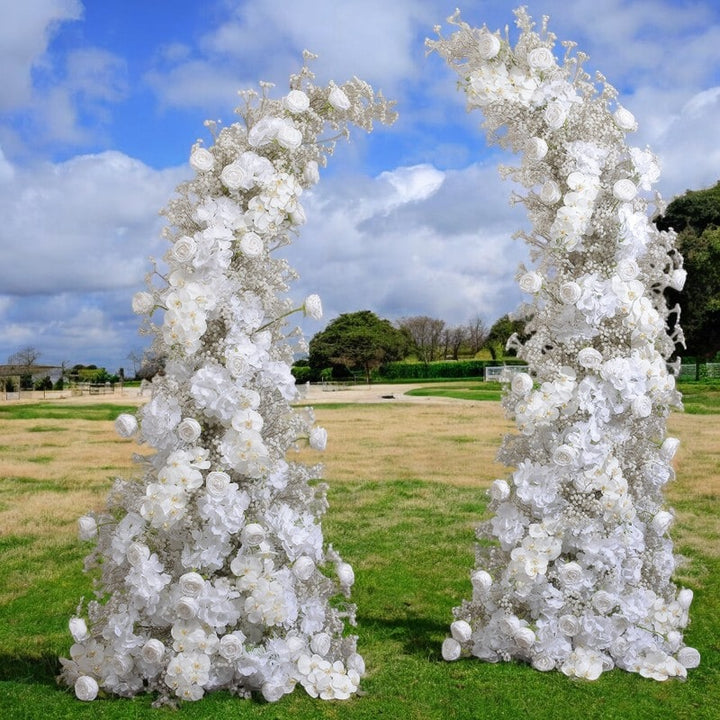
x=502 y=373
x=688 y=370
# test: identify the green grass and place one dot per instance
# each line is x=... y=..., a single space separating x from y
x=468 y=390
x=55 y=411
x=701 y=398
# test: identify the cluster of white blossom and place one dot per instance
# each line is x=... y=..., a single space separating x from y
x=575 y=572
x=212 y=570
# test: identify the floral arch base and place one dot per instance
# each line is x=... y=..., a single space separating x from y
x=575 y=568
x=212 y=568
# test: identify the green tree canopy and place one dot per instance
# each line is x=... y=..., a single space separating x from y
x=695 y=216
x=499 y=334
x=357 y=341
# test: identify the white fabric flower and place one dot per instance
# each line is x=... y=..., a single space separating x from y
x=535 y=149
x=461 y=631
x=677 y=279
x=78 y=629
x=303 y=567
x=338 y=99
x=86 y=688
x=318 y=438
x=189 y=430
x=312 y=307
x=126 y=425
x=346 y=576
x=530 y=282
x=87 y=527
x=669 y=447
x=541 y=58
x=624 y=119
x=689 y=657
x=570 y=292
x=590 y=358
x=550 y=192
x=451 y=649
x=296 y=101
x=488 y=45
x=624 y=190
x=555 y=115
x=202 y=160
x=142 y=302
x=251 y=244
x=153 y=651
x=288 y=136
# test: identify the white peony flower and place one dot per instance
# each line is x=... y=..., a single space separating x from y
x=86 y=688
x=321 y=643
x=569 y=625
x=624 y=119
x=590 y=358
x=296 y=101
x=488 y=45
x=535 y=149
x=530 y=282
x=288 y=136
x=202 y=160
x=338 y=99
x=312 y=307
x=524 y=637
x=253 y=534
x=521 y=383
x=78 y=629
x=87 y=527
x=318 y=438
x=641 y=406
x=153 y=651
x=555 y=115
x=191 y=584
x=231 y=646
x=541 y=58
x=183 y=249
x=624 y=190
x=189 y=430
x=143 y=302
x=451 y=649
x=126 y=425
x=187 y=608
x=550 y=192
x=461 y=631
x=628 y=269
x=570 y=292
x=565 y=455
x=251 y=244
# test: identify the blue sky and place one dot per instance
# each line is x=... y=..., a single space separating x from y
x=102 y=100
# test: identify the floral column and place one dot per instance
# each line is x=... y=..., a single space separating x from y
x=212 y=568
x=574 y=570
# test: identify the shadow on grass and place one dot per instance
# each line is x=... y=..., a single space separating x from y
x=418 y=636
x=41 y=669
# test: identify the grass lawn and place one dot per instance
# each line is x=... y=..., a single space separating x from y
x=406 y=488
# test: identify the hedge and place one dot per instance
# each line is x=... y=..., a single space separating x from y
x=442 y=369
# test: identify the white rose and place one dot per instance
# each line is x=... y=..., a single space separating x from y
x=570 y=292
x=535 y=149
x=543 y=663
x=571 y=573
x=189 y=430
x=685 y=598
x=677 y=279
x=628 y=269
x=289 y=137
x=303 y=567
x=234 y=176
x=590 y=358
x=231 y=646
x=499 y=490
x=550 y=192
x=142 y=302
x=662 y=522
x=87 y=527
x=311 y=173
x=346 y=576
x=191 y=584
x=86 y=688
x=641 y=406
x=569 y=625
x=524 y=637
x=540 y=58
x=251 y=244
x=137 y=553
x=201 y=160
x=183 y=250
x=565 y=455
x=624 y=190
x=217 y=484
x=126 y=425
x=624 y=119
x=153 y=651
x=338 y=99
x=187 y=608
x=669 y=448
x=555 y=115
x=689 y=658
x=312 y=307
x=451 y=649
x=321 y=644
x=318 y=438
x=122 y=664
x=78 y=629
x=461 y=631
x=521 y=383
x=488 y=45
x=481 y=580
x=603 y=602
x=530 y=282
x=296 y=101
x=253 y=534
x=356 y=663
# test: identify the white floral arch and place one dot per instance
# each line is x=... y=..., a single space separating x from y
x=577 y=575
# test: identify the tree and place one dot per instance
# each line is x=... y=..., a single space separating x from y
x=357 y=340
x=477 y=333
x=696 y=217
x=500 y=333
x=453 y=339
x=26 y=357
x=426 y=334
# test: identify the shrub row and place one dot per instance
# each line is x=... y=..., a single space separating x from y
x=442 y=369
